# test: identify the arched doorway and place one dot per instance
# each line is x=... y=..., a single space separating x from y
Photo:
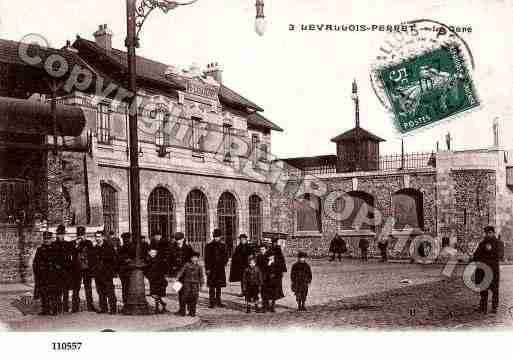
x=227 y=219
x=256 y=218
x=408 y=209
x=361 y=215
x=161 y=213
x=196 y=220
x=110 y=208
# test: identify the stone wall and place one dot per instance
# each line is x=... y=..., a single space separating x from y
x=16 y=253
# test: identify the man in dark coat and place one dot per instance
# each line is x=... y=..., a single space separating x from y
x=125 y=257
x=157 y=269
x=300 y=278
x=64 y=265
x=272 y=288
x=383 y=249
x=46 y=275
x=240 y=261
x=337 y=247
x=216 y=258
x=82 y=265
x=489 y=252
x=364 y=247
x=104 y=273
x=181 y=254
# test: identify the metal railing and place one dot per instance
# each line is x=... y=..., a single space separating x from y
x=393 y=162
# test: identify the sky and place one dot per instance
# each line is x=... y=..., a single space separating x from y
x=302 y=79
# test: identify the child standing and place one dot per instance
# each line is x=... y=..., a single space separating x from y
x=252 y=280
x=192 y=278
x=301 y=277
x=156 y=273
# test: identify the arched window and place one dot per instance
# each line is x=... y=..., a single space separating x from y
x=256 y=217
x=196 y=220
x=161 y=213
x=309 y=213
x=110 y=208
x=408 y=208
x=14 y=199
x=227 y=219
x=356 y=211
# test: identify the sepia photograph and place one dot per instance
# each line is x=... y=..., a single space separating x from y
x=239 y=166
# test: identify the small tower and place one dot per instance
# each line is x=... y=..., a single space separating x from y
x=357 y=149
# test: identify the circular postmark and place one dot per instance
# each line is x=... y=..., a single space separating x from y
x=423 y=75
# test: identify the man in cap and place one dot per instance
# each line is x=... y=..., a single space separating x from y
x=180 y=255
x=63 y=251
x=83 y=262
x=489 y=252
x=46 y=275
x=216 y=258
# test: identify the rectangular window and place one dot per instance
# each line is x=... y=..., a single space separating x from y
x=227 y=141
x=255 y=140
x=162 y=135
x=103 y=123
x=196 y=137
x=263 y=152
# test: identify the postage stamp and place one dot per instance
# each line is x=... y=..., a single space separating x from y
x=429 y=87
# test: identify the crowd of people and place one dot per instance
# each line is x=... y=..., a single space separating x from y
x=61 y=267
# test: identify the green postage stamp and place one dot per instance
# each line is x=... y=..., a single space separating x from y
x=428 y=88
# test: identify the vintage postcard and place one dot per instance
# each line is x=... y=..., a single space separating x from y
x=200 y=166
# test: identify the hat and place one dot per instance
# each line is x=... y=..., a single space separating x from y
x=100 y=232
x=156 y=233
x=195 y=254
x=125 y=236
x=47 y=235
x=179 y=235
x=81 y=231
x=274 y=240
x=301 y=254
x=61 y=229
x=216 y=233
x=489 y=229
x=243 y=235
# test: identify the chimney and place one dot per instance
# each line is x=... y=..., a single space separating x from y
x=103 y=37
x=215 y=70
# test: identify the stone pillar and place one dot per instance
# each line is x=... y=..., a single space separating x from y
x=54 y=196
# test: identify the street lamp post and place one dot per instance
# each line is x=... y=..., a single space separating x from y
x=136 y=303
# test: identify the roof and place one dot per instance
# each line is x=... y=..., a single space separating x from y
x=35 y=118
x=10 y=54
x=357 y=132
x=154 y=70
x=314 y=161
x=257 y=119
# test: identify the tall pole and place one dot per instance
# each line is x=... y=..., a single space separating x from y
x=354 y=95
x=136 y=302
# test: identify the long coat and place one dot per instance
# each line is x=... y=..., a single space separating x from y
x=82 y=258
x=179 y=256
x=240 y=261
x=106 y=263
x=272 y=288
x=192 y=278
x=489 y=252
x=46 y=274
x=300 y=277
x=279 y=258
x=216 y=258
x=157 y=269
x=338 y=245
x=63 y=253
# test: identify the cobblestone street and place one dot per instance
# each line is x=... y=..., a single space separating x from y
x=343 y=295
